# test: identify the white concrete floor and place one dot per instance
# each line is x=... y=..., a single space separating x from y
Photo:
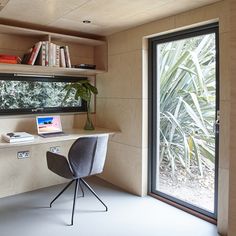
x=28 y=214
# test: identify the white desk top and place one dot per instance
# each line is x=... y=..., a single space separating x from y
x=73 y=134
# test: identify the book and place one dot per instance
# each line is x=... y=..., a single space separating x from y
x=26 y=56
x=57 y=61
x=34 y=53
x=16 y=137
x=42 y=54
x=47 y=53
x=11 y=59
x=52 y=54
x=67 y=57
x=86 y=66
x=62 y=57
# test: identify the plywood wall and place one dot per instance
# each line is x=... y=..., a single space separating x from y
x=232 y=119
x=122 y=101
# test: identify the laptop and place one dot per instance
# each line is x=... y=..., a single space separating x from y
x=49 y=126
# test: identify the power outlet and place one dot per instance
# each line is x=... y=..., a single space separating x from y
x=23 y=154
x=55 y=149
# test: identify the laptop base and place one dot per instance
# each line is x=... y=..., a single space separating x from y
x=51 y=135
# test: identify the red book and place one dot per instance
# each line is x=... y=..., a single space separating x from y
x=8 y=61
x=8 y=57
x=34 y=53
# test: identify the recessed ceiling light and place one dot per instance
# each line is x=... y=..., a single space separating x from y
x=86 y=21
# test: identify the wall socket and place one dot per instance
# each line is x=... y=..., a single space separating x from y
x=23 y=154
x=55 y=149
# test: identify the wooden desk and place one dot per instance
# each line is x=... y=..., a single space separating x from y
x=72 y=134
x=22 y=175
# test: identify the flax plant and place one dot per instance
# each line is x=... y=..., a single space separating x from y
x=187 y=103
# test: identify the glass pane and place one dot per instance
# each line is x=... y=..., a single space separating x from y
x=186 y=114
x=34 y=94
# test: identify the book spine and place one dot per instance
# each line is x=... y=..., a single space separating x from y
x=46 y=53
x=41 y=58
x=57 y=55
x=26 y=58
x=62 y=57
x=67 y=56
x=53 y=54
x=34 y=53
x=8 y=57
x=18 y=140
x=9 y=61
x=43 y=54
x=50 y=57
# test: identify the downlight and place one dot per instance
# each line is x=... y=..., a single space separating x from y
x=86 y=21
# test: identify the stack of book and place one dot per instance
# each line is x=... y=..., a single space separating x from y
x=9 y=59
x=45 y=53
x=17 y=137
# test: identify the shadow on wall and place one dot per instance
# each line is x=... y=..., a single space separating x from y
x=9 y=124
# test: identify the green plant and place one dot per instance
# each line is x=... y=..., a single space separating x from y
x=84 y=90
x=187 y=103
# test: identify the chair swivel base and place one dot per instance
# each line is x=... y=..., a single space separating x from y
x=75 y=194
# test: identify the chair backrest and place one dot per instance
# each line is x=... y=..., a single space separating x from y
x=87 y=155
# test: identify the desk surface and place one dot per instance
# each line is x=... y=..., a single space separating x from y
x=72 y=134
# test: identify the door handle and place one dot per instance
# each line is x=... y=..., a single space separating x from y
x=217 y=123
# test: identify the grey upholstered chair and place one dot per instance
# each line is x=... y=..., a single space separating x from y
x=86 y=157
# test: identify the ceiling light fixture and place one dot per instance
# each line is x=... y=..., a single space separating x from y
x=86 y=21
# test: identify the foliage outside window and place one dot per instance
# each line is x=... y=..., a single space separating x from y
x=187 y=103
x=34 y=94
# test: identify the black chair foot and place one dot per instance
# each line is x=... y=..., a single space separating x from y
x=92 y=191
x=62 y=191
x=74 y=202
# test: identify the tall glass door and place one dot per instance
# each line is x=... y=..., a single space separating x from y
x=185 y=118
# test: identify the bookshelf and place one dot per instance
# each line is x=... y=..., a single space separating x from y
x=17 y=41
x=46 y=70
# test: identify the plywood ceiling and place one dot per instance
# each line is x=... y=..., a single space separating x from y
x=106 y=16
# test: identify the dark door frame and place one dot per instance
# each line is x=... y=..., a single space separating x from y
x=152 y=111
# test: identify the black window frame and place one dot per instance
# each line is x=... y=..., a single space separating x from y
x=152 y=111
x=42 y=78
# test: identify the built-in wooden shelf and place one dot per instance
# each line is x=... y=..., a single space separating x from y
x=47 y=70
x=16 y=41
x=7 y=29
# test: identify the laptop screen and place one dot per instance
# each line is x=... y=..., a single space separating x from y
x=48 y=124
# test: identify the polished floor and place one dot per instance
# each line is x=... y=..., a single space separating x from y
x=28 y=214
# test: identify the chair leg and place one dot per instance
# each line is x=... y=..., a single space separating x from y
x=81 y=188
x=62 y=191
x=75 y=196
x=92 y=191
